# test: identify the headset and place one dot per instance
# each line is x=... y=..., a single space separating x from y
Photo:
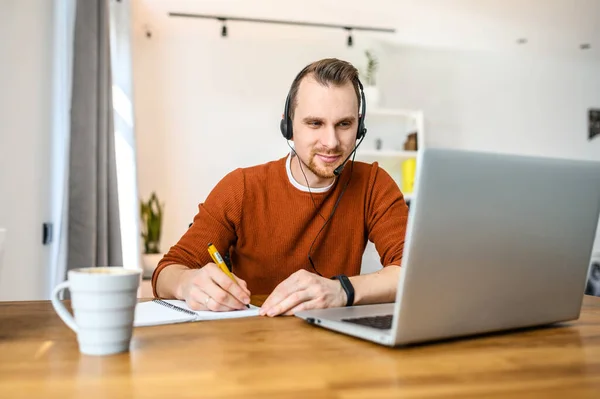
x=287 y=130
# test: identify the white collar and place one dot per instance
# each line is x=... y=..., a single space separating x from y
x=299 y=186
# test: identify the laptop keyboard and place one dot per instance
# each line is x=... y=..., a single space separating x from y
x=380 y=322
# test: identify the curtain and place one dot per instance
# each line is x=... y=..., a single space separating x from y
x=94 y=236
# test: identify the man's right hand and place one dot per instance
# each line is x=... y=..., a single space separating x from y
x=208 y=288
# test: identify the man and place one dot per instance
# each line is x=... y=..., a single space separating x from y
x=285 y=223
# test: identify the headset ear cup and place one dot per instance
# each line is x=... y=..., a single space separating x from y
x=283 y=128
x=361 y=131
x=286 y=129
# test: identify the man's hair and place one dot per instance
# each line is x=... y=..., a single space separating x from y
x=326 y=71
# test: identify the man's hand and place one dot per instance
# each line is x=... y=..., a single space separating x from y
x=209 y=288
x=302 y=291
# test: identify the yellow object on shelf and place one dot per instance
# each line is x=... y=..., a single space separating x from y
x=409 y=168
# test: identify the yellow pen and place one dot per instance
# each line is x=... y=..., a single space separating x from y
x=216 y=257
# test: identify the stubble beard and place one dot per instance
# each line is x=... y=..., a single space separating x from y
x=324 y=172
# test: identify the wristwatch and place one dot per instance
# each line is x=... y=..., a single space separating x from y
x=347 y=286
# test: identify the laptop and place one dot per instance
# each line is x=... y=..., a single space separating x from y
x=494 y=242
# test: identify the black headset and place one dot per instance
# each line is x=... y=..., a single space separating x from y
x=286 y=124
x=286 y=130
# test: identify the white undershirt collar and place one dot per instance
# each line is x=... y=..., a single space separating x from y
x=299 y=186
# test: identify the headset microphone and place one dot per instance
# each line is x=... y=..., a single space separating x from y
x=337 y=171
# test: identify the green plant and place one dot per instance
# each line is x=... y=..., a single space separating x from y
x=372 y=65
x=151 y=213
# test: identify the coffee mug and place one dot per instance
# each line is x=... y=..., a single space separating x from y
x=103 y=301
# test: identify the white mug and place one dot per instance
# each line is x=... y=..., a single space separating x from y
x=103 y=301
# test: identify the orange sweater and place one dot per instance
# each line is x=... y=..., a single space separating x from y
x=268 y=224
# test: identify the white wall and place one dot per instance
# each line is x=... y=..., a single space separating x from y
x=26 y=32
x=507 y=102
x=207 y=105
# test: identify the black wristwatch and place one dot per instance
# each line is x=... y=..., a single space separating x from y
x=347 y=286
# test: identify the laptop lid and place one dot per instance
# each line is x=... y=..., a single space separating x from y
x=495 y=242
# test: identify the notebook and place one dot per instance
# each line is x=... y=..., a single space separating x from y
x=170 y=311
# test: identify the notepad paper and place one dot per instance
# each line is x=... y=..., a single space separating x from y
x=154 y=313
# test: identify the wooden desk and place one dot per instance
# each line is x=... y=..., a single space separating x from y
x=285 y=357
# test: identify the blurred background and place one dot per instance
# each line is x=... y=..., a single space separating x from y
x=176 y=102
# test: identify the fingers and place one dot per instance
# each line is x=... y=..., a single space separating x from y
x=298 y=281
x=222 y=297
x=290 y=302
x=208 y=304
x=200 y=300
x=242 y=284
x=312 y=304
x=213 y=305
x=230 y=294
x=194 y=305
x=302 y=290
x=279 y=294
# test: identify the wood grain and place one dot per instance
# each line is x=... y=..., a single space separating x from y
x=285 y=357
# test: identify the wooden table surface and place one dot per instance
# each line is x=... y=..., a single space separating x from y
x=287 y=358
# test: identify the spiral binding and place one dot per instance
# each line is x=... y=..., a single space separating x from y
x=171 y=306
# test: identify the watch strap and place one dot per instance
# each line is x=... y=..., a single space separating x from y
x=347 y=286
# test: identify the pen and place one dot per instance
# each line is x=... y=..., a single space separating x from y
x=216 y=257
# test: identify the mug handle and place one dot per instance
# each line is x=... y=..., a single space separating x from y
x=60 y=308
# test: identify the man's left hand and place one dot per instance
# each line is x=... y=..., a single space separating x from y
x=302 y=291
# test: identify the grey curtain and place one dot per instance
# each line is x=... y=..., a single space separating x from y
x=94 y=237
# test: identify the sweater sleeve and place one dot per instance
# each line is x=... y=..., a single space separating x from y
x=217 y=221
x=387 y=216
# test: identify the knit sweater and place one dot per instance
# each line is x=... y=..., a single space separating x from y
x=267 y=222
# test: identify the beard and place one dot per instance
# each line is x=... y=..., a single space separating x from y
x=326 y=171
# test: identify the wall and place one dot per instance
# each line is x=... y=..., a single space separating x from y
x=206 y=105
x=26 y=32
x=515 y=102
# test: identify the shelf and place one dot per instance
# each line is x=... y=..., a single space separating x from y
x=386 y=154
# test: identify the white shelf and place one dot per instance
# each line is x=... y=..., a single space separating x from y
x=386 y=153
x=390 y=127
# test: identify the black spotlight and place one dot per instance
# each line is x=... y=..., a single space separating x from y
x=349 y=36
x=224 y=28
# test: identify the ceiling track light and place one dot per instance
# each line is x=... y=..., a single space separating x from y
x=224 y=27
x=349 y=36
x=224 y=19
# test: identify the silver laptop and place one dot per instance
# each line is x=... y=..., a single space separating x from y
x=494 y=242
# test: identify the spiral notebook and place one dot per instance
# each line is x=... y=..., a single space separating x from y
x=171 y=311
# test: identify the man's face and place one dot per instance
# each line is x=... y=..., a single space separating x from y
x=325 y=125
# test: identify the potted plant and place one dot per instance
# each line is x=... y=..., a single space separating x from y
x=370 y=85
x=151 y=214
